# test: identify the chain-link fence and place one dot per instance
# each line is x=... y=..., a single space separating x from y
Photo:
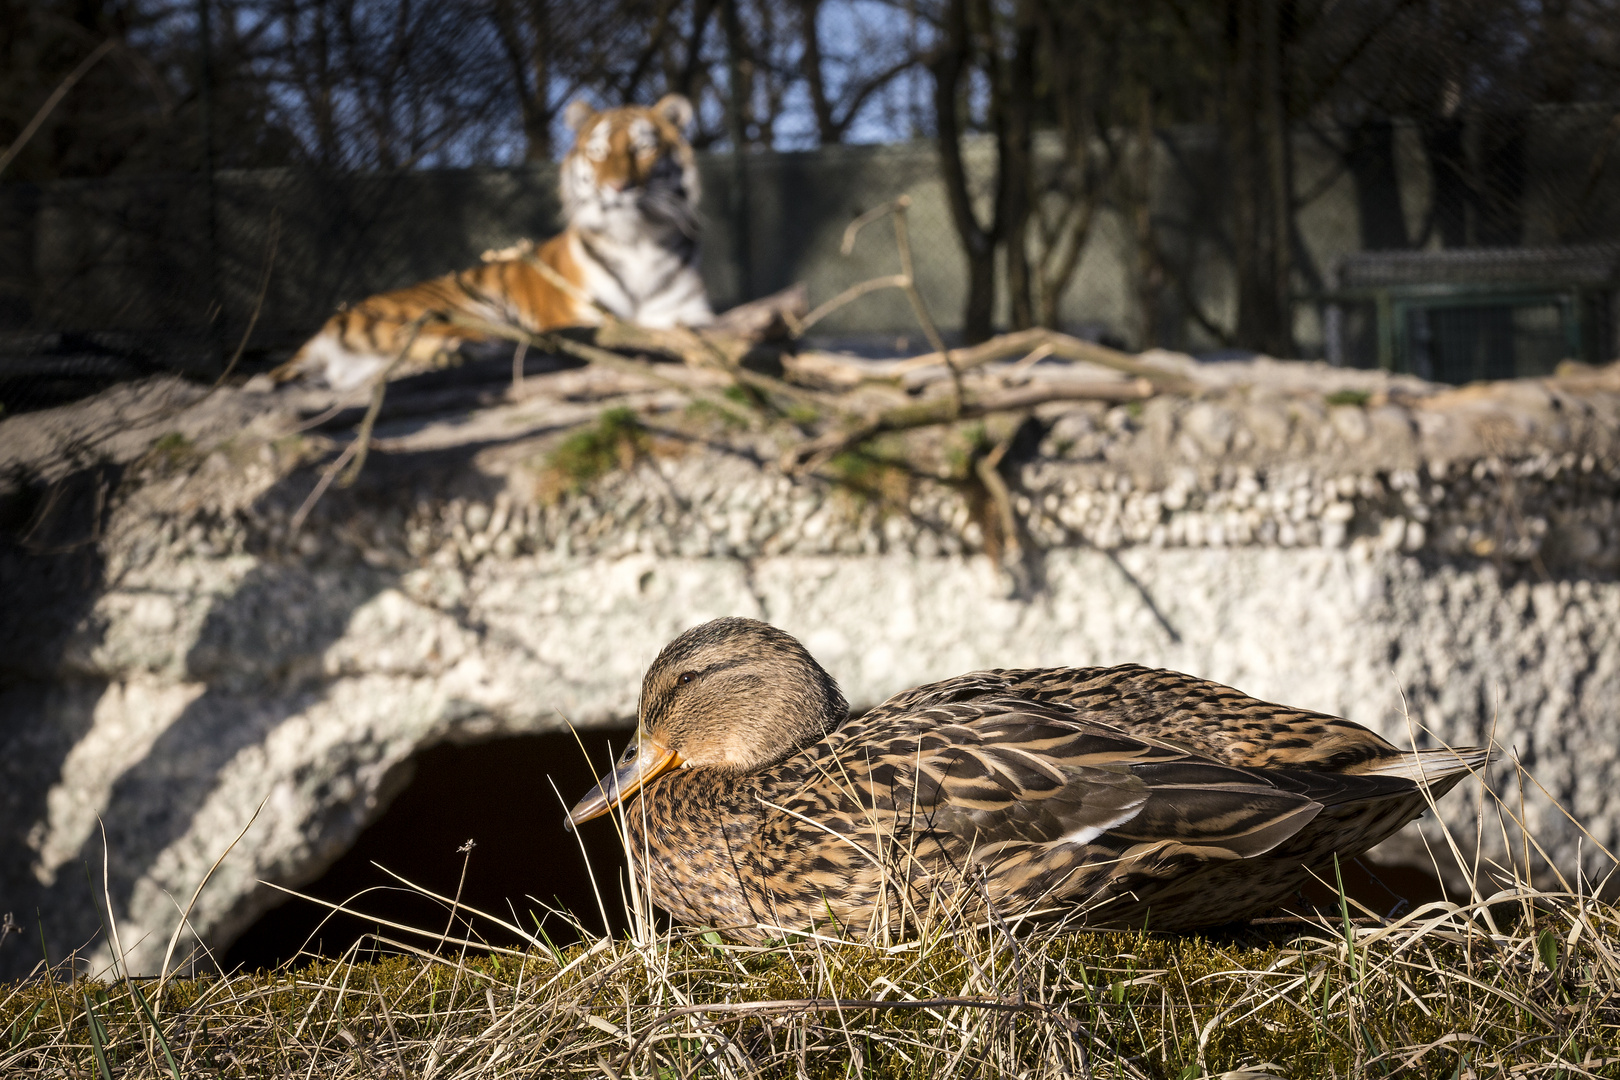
x=1427 y=187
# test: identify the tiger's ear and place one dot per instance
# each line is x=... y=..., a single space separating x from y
x=676 y=109
x=577 y=113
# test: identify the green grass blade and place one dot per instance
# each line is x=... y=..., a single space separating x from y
x=1547 y=948
x=20 y=1027
x=157 y=1032
x=551 y=946
x=1349 y=929
x=98 y=1039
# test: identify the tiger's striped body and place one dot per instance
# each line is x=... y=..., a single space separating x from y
x=630 y=192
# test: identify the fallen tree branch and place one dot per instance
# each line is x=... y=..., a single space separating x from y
x=698 y=347
x=813 y=452
x=851 y=294
x=1009 y=549
x=905 y=281
x=361 y=445
x=770 y=318
x=1059 y=345
x=914 y=373
x=581 y=350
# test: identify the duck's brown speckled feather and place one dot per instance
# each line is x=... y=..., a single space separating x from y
x=1020 y=803
x=1204 y=716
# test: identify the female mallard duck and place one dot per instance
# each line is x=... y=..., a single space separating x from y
x=1118 y=795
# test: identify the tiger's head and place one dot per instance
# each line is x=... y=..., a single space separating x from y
x=631 y=167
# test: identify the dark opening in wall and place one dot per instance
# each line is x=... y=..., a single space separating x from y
x=496 y=794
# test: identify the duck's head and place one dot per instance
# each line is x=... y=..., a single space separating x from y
x=733 y=695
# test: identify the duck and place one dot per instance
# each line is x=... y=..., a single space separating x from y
x=751 y=803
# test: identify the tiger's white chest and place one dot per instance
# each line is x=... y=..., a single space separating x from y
x=646 y=277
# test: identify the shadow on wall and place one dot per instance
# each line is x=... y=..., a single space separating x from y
x=258 y=653
x=254 y=653
x=50 y=569
x=271 y=617
x=51 y=572
x=498 y=794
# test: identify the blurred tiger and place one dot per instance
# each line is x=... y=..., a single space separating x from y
x=630 y=193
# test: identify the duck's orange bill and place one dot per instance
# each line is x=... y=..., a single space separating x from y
x=649 y=758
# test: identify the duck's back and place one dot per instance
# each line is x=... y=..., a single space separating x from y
x=1214 y=720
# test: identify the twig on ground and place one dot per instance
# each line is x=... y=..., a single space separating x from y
x=850 y=295
x=518 y=355
x=358 y=448
x=905 y=281
x=988 y=470
x=1062 y=346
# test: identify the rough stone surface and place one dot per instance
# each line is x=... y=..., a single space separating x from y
x=1433 y=563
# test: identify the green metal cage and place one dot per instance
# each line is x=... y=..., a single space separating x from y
x=1461 y=316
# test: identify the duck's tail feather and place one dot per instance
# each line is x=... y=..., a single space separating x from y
x=1440 y=768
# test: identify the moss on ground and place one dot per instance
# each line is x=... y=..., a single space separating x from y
x=617 y=440
x=1445 y=994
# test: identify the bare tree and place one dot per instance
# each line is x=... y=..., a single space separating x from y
x=136 y=110
x=557 y=50
x=984 y=43
x=370 y=85
x=841 y=82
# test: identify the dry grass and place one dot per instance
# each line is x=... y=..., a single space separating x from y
x=1519 y=982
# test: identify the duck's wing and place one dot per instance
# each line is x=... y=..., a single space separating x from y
x=987 y=775
x=1029 y=805
x=1216 y=720
x=961 y=688
x=1203 y=716
x=1231 y=726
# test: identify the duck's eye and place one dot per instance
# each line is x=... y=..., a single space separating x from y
x=686 y=677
